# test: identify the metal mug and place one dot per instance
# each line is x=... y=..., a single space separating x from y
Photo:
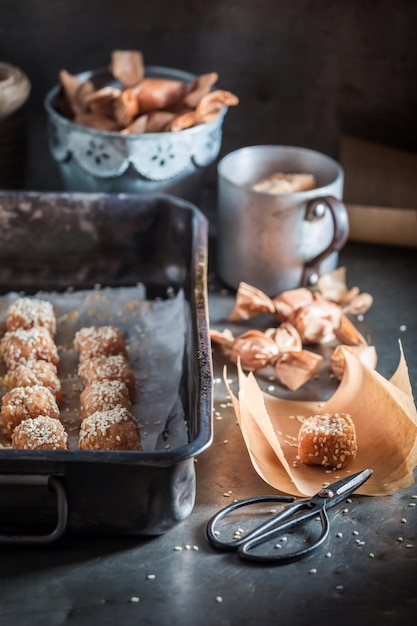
x=278 y=241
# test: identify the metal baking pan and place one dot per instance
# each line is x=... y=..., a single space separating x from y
x=74 y=248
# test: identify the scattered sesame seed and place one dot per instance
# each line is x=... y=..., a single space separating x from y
x=225 y=441
x=400 y=539
x=135 y=599
x=196 y=548
x=411 y=504
x=403 y=328
x=313 y=570
x=178 y=548
x=409 y=545
x=151 y=577
x=328 y=555
x=403 y=520
x=355 y=532
x=219 y=599
x=339 y=587
x=371 y=555
x=339 y=535
x=187 y=546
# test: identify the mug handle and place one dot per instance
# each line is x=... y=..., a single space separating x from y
x=315 y=210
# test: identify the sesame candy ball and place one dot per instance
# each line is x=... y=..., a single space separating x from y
x=114 y=367
x=114 y=429
x=23 y=345
x=40 y=433
x=22 y=403
x=94 y=341
x=36 y=373
x=102 y=396
x=328 y=440
x=29 y=312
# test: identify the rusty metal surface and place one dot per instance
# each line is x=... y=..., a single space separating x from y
x=367 y=575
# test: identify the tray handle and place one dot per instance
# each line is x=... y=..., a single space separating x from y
x=62 y=506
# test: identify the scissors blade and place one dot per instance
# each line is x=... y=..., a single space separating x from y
x=341 y=489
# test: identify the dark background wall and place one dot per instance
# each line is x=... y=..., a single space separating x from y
x=306 y=71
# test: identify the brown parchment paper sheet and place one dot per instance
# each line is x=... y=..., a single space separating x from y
x=385 y=418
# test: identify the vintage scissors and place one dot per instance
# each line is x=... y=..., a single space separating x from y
x=297 y=513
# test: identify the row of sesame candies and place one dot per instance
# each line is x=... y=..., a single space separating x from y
x=31 y=356
x=30 y=414
x=107 y=420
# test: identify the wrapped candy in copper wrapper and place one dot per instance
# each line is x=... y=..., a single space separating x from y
x=141 y=104
x=305 y=318
x=317 y=316
x=280 y=348
x=367 y=354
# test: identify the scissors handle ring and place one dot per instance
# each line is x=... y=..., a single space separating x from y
x=211 y=532
x=245 y=549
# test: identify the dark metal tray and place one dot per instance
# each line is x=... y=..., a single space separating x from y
x=68 y=245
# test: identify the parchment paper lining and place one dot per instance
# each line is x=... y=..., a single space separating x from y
x=154 y=332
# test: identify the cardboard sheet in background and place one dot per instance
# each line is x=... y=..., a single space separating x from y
x=380 y=192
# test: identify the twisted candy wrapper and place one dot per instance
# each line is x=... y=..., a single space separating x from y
x=279 y=347
x=383 y=412
x=141 y=104
x=305 y=318
x=316 y=316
